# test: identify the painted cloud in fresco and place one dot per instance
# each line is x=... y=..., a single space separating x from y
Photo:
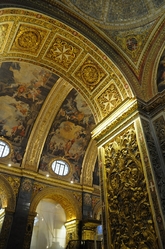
x=23 y=89
x=69 y=135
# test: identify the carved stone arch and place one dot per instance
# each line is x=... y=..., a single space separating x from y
x=7 y=195
x=63 y=197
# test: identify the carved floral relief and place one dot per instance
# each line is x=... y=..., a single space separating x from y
x=130 y=218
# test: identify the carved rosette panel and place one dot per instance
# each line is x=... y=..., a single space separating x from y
x=90 y=73
x=109 y=100
x=129 y=210
x=29 y=39
x=159 y=174
x=62 y=52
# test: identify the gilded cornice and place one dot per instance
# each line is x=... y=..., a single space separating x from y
x=19 y=172
x=153 y=106
x=119 y=119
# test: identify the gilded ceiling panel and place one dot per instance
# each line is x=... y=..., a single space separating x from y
x=62 y=52
x=109 y=99
x=90 y=73
x=29 y=39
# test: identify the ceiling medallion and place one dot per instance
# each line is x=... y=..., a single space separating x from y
x=90 y=73
x=29 y=39
x=131 y=44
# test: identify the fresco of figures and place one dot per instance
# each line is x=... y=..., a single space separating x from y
x=70 y=134
x=23 y=89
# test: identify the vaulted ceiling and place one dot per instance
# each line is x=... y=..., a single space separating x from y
x=67 y=65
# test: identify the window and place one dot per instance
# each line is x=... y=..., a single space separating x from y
x=60 y=167
x=4 y=149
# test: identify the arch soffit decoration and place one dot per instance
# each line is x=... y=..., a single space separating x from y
x=63 y=197
x=89 y=164
x=78 y=61
x=7 y=195
x=149 y=73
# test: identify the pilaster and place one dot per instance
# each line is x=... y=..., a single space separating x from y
x=132 y=207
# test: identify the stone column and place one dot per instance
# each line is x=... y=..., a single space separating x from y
x=20 y=217
x=29 y=230
x=132 y=210
x=6 y=227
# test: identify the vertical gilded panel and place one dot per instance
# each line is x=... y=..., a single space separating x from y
x=129 y=213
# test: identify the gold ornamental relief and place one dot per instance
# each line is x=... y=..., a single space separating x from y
x=130 y=216
x=90 y=73
x=29 y=39
x=62 y=52
x=109 y=100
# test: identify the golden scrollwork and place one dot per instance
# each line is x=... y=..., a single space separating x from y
x=29 y=39
x=62 y=52
x=90 y=73
x=129 y=209
x=109 y=99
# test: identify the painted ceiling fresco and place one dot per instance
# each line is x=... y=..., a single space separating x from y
x=69 y=135
x=23 y=89
x=161 y=73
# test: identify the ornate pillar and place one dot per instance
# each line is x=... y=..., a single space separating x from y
x=29 y=230
x=6 y=227
x=132 y=210
x=20 y=217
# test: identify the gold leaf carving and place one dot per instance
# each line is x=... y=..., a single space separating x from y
x=90 y=73
x=62 y=52
x=29 y=39
x=109 y=99
x=128 y=204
